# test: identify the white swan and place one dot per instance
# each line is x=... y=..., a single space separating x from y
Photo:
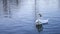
x=41 y=21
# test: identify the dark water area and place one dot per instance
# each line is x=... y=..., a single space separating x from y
x=22 y=19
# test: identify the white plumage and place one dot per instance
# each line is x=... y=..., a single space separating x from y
x=39 y=21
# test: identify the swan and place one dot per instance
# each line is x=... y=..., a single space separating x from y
x=41 y=21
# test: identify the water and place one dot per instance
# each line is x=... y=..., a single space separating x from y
x=22 y=19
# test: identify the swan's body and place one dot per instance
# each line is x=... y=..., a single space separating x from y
x=41 y=21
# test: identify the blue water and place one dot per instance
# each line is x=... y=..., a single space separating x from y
x=22 y=19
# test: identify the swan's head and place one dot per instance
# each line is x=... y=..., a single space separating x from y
x=40 y=15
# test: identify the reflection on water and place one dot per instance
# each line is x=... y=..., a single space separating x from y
x=39 y=27
x=6 y=8
x=17 y=2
